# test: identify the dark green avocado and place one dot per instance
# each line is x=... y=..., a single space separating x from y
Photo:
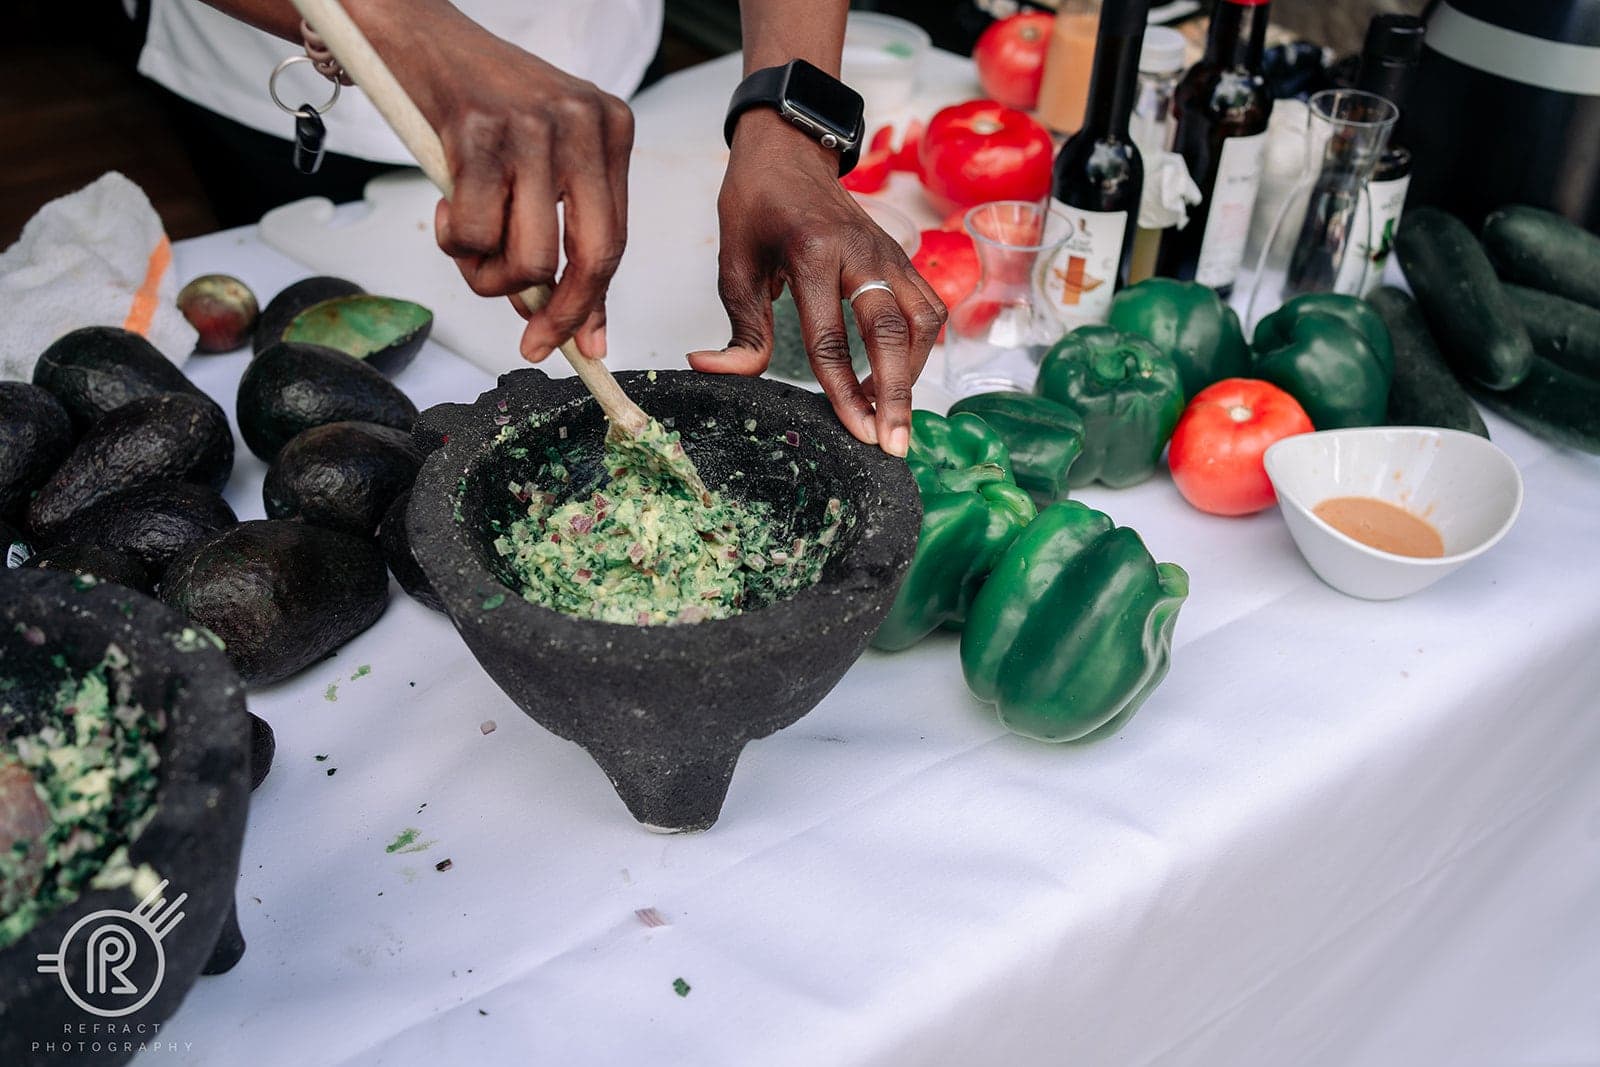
x=281 y=309
x=35 y=436
x=280 y=595
x=384 y=331
x=342 y=476
x=106 y=564
x=154 y=522
x=293 y=387
x=95 y=370
x=174 y=437
x=396 y=546
x=263 y=746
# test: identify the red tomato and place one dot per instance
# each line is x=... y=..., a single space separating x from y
x=949 y=262
x=980 y=151
x=1216 y=450
x=870 y=173
x=1010 y=57
x=903 y=158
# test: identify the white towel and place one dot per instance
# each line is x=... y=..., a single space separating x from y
x=96 y=257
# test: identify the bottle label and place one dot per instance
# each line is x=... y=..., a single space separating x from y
x=1372 y=236
x=1079 y=278
x=1233 y=198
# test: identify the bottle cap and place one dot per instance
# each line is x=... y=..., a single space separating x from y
x=1163 y=51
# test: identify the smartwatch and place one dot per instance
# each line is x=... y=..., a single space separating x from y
x=818 y=105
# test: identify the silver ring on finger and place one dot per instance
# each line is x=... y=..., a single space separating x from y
x=867 y=287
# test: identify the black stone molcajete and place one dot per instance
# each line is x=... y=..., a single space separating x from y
x=54 y=625
x=664 y=710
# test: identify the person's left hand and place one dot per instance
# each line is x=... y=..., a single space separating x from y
x=786 y=219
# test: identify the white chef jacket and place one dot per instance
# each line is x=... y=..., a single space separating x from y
x=222 y=64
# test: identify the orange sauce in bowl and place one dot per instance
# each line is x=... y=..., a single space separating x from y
x=1381 y=525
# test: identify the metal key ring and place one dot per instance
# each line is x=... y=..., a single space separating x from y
x=272 y=89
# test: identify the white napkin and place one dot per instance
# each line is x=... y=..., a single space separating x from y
x=1168 y=192
x=96 y=257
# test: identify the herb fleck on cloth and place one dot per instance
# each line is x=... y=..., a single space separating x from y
x=642 y=549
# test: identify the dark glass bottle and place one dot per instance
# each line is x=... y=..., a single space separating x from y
x=1099 y=175
x=1221 y=107
x=1392 y=51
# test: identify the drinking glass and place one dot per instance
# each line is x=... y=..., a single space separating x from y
x=996 y=336
x=1346 y=133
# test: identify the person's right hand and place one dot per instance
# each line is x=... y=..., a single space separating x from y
x=522 y=137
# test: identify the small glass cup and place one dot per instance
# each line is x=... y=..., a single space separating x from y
x=1346 y=133
x=997 y=335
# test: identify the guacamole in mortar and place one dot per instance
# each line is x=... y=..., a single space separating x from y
x=643 y=549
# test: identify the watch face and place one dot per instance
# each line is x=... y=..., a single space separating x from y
x=824 y=100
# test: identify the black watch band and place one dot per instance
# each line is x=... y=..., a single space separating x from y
x=815 y=103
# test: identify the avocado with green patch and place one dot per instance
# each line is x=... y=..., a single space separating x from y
x=155 y=522
x=384 y=331
x=95 y=370
x=395 y=542
x=290 y=301
x=280 y=595
x=35 y=437
x=291 y=387
x=173 y=437
x=342 y=476
x=104 y=564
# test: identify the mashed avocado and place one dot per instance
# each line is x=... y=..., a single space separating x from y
x=92 y=767
x=643 y=549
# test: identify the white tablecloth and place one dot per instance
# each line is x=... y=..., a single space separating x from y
x=1341 y=833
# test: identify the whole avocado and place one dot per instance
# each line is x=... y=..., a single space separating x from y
x=173 y=437
x=106 y=564
x=154 y=522
x=342 y=476
x=35 y=436
x=280 y=595
x=293 y=299
x=395 y=542
x=292 y=387
x=95 y=370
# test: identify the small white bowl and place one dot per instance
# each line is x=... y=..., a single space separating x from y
x=882 y=60
x=1461 y=483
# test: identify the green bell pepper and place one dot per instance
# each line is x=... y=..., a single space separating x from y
x=1317 y=349
x=1353 y=311
x=1073 y=629
x=970 y=516
x=1043 y=437
x=1190 y=323
x=1128 y=395
x=957 y=442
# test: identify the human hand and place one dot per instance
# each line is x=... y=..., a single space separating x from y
x=521 y=137
x=785 y=218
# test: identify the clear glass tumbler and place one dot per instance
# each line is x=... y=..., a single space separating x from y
x=1346 y=133
x=996 y=336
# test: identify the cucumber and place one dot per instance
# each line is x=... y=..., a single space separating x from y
x=1563 y=331
x=1467 y=309
x=1544 y=251
x=1555 y=404
x=1422 y=392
